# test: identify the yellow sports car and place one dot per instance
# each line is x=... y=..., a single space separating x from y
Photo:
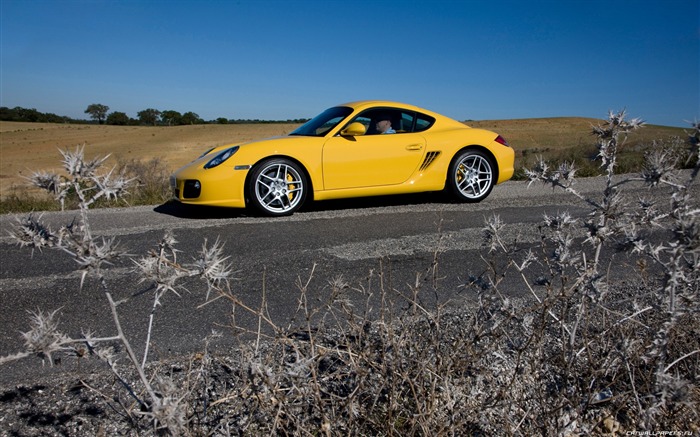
x=366 y=148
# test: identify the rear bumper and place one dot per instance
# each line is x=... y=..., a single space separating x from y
x=506 y=161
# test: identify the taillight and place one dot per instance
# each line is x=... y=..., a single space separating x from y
x=501 y=140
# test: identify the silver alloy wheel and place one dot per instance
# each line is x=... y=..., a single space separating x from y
x=473 y=176
x=278 y=188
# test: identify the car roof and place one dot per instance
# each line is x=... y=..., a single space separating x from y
x=362 y=104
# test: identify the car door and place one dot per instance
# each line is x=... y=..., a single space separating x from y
x=371 y=160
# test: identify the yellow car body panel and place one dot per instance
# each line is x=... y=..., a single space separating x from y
x=342 y=166
x=370 y=161
x=224 y=185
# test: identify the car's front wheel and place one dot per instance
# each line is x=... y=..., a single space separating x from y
x=471 y=176
x=277 y=187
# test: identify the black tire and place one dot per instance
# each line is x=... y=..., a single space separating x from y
x=277 y=187
x=471 y=176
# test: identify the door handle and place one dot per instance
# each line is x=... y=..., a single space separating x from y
x=414 y=147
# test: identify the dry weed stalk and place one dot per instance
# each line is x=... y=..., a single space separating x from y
x=622 y=348
x=160 y=404
x=578 y=355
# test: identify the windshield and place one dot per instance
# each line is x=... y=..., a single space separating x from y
x=322 y=123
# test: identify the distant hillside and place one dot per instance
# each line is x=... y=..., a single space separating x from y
x=563 y=132
x=570 y=139
x=25 y=147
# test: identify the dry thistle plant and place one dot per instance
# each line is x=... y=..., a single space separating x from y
x=159 y=403
x=580 y=354
x=609 y=355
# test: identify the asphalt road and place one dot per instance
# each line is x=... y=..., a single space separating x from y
x=388 y=244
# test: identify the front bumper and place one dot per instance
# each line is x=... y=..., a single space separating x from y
x=214 y=187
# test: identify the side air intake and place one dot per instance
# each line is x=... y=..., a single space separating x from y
x=429 y=158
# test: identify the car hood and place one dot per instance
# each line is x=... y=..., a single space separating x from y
x=298 y=147
x=282 y=141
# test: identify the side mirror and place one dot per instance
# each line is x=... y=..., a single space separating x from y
x=353 y=130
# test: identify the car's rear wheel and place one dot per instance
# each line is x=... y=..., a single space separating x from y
x=471 y=176
x=277 y=187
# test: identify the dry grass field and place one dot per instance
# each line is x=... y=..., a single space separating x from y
x=563 y=133
x=26 y=147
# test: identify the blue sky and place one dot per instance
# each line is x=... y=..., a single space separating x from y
x=276 y=59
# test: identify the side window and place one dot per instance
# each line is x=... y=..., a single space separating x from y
x=401 y=121
x=405 y=122
x=371 y=119
x=423 y=122
x=364 y=119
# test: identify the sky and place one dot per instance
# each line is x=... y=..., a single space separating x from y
x=289 y=59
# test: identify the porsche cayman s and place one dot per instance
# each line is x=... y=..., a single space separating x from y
x=357 y=149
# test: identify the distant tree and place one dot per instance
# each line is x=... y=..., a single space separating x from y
x=6 y=114
x=191 y=118
x=118 y=119
x=171 y=118
x=14 y=114
x=97 y=112
x=49 y=117
x=149 y=116
x=30 y=115
x=222 y=120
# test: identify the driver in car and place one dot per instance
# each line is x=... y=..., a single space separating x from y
x=384 y=126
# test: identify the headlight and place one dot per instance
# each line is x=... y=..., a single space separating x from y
x=221 y=157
